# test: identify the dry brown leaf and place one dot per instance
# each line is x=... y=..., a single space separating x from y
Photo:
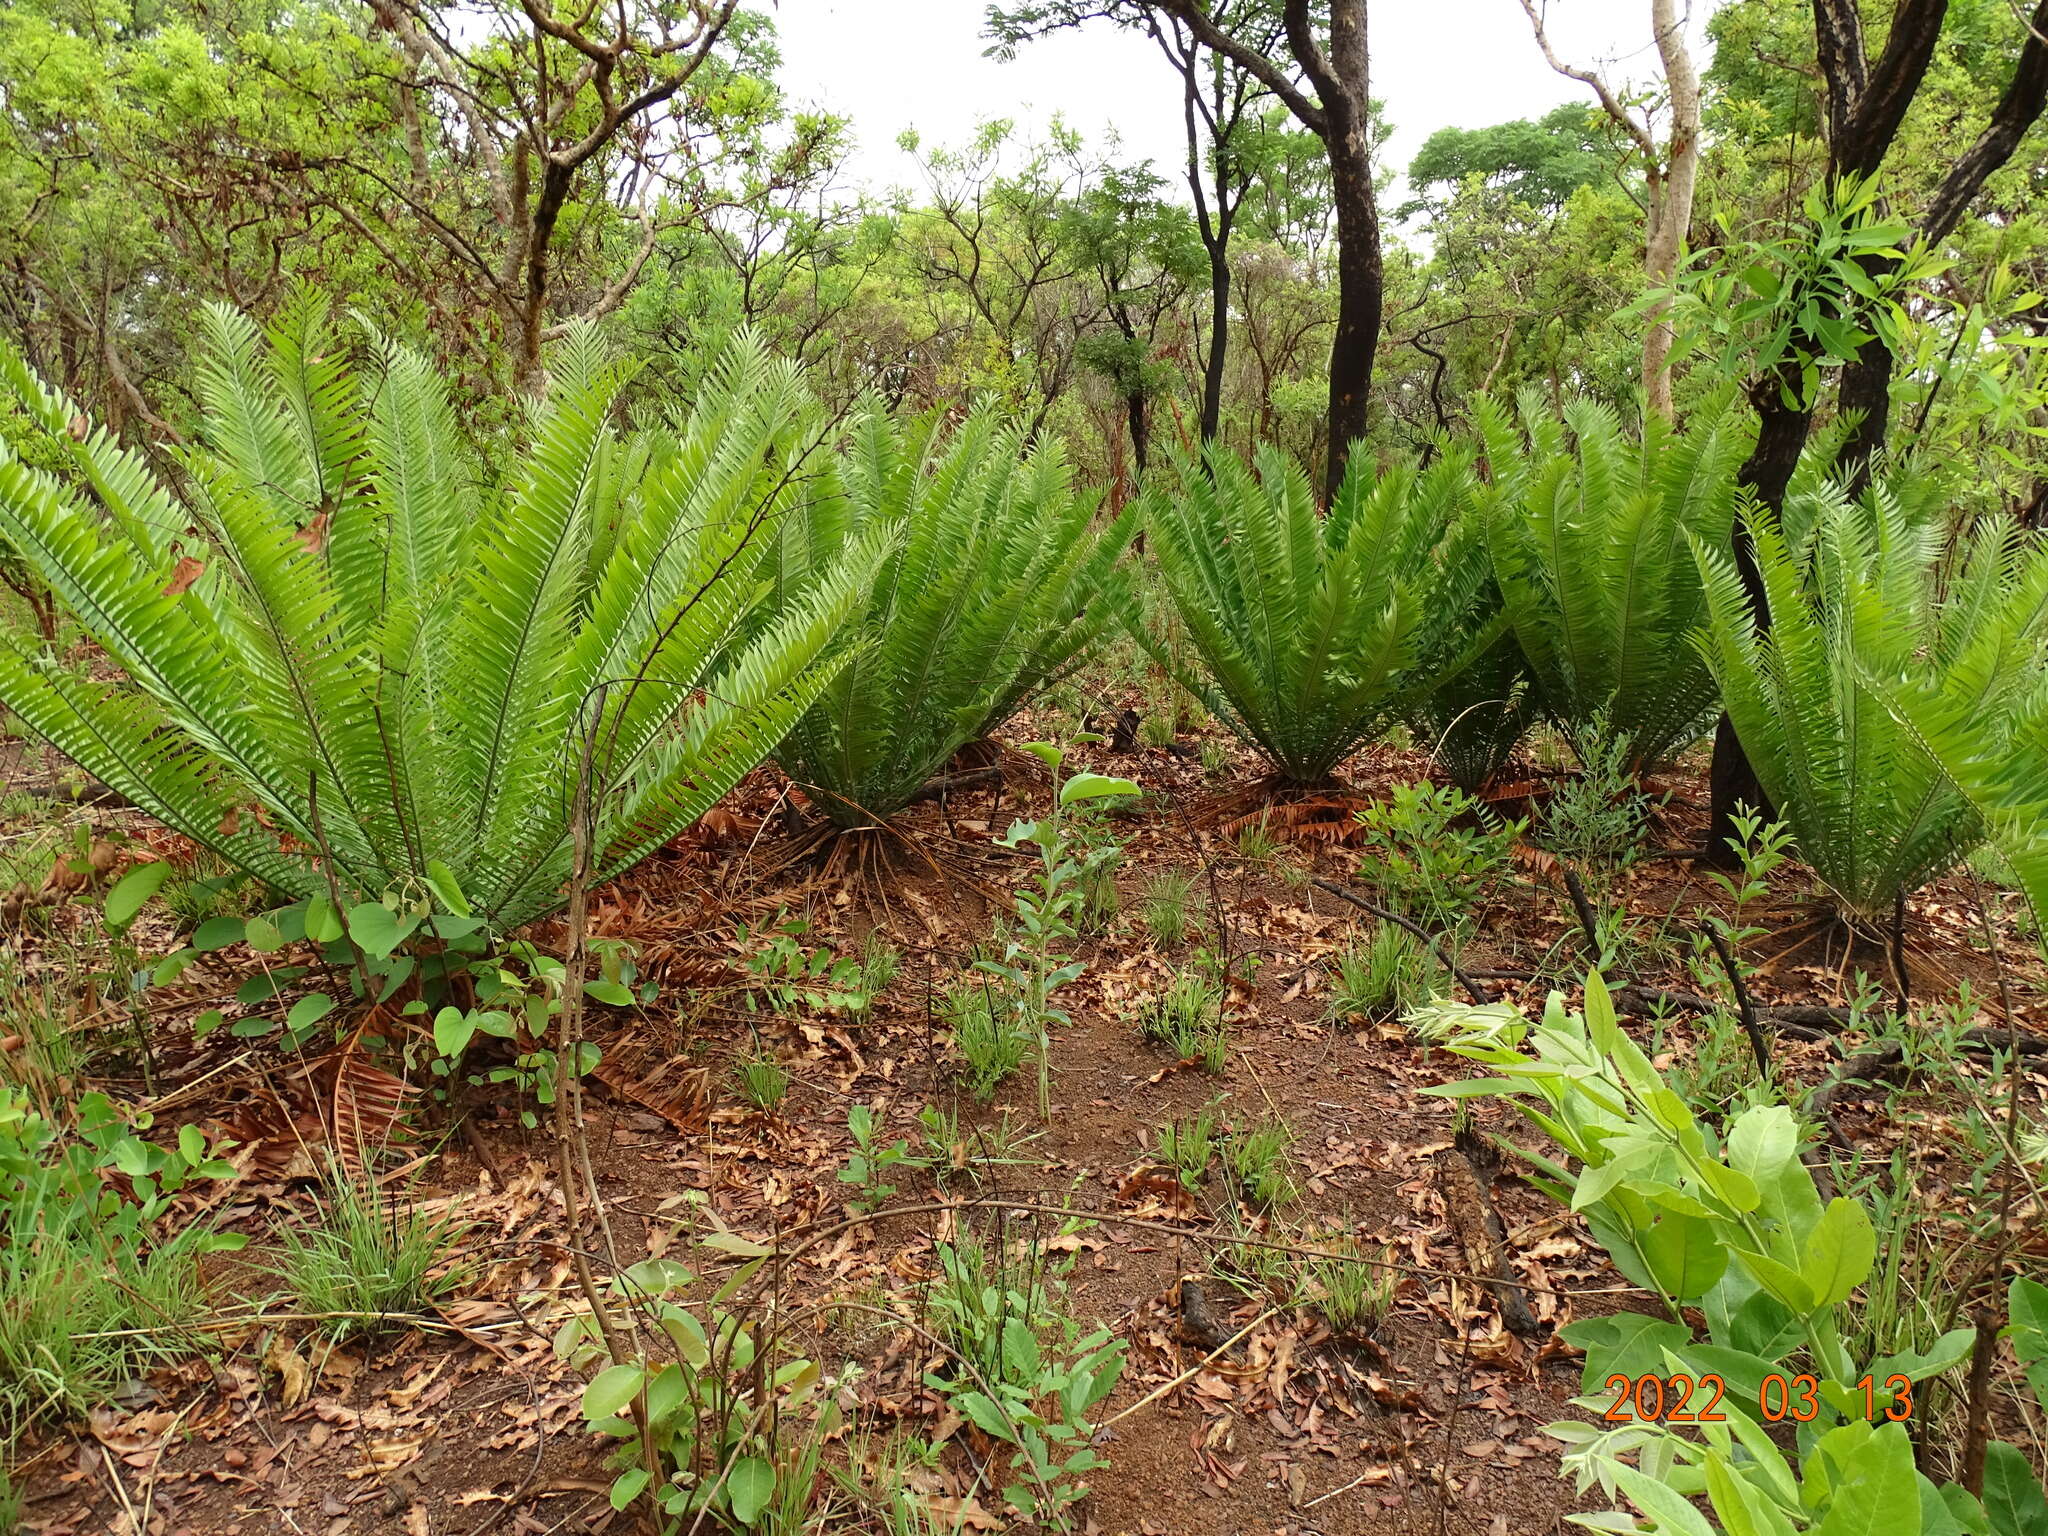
x=295 y=1377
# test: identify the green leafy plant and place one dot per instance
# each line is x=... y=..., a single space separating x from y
x=763 y=1080
x=1166 y=906
x=996 y=584
x=1589 y=532
x=992 y=1038
x=366 y=1259
x=1783 y=309
x=370 y=649
x=1312 y=632
x=1730 y=1226
x=1869 y=597
x=1188 y=1019
x=789 y=978
x=1256 y=1159
x=1432 y=852
x=1597 y=816
x=872 y=1159
x=1351 y=1285
x=1382 y=978
x=96 y=1280
x=952 y=1148
x=1189 y=1145
x=1027 y=1373
x=1032 y=966
x=712 y=1431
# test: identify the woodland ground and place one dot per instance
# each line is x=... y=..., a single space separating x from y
x=467 y=1424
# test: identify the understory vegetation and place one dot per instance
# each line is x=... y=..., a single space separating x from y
x=685 y=848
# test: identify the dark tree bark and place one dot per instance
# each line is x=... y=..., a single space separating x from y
x=1214 y=118
x=1864 y=107
x=1339 y=113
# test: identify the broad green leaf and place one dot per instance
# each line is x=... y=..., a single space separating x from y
x=1877 y=1491
x=609 y=992
x=611 y=1390
x=1788 y=1285
x=454 y=1028
x=217 y=933
x=1685 y=1254
x=1674 y=1516
x=1839 y=1252
x=308 y=1011
x=375 y=931
x=447 y=889
x=133 y=889
x=1095 y=786
x=262 y=936
x=985 y=1416
x=2026 y=1304
x=749 y=1486
x=1623 y=1343
x=323 y=923
x=2012 y=1493
x=627 y=1485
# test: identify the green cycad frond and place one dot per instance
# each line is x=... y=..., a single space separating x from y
x=1589 y=534
x=993 y=583
x=394 y=660
x=1880 y=641
x=1313 y=632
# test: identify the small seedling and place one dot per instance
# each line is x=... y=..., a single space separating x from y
x=1381 y=978
x=1597 y=816
x=953 y=1148
x=763 y=1081
x=1353 y=1295
x=367 y=1260
x=871 y=1161
x=1433 y=852
x=1215 y=759
x=1187 y=1018
x=1258 y=1165
x=1166 y=906
x=992 y=1039
x=1256 y=843
x=1188 y=1145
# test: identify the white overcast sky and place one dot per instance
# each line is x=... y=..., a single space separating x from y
x=896 y=64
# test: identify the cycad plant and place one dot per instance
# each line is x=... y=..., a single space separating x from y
x=1313 y=632
x=1876 y=603
x=342 y=638
x=996 y=583
x=1589 y=530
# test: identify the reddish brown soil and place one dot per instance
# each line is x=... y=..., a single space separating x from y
x=1434 y=1427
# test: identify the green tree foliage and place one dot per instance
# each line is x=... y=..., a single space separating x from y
x=1537 y=163
x=1313 y=632
x=996 y=583
x=370 y=649
x=1871 y=600
x=1589 y=530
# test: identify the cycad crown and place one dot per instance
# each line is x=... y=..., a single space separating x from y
x=996 y=584
x=1312 y=631
x=369 y=648
x=1589 y=536
x=1872 y=607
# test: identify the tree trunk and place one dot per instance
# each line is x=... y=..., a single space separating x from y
x=1766 y=474
x=1360 y=297
x=1673 y=208
x=1361 y=276
x=1141 y=433
x=1219 y=339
